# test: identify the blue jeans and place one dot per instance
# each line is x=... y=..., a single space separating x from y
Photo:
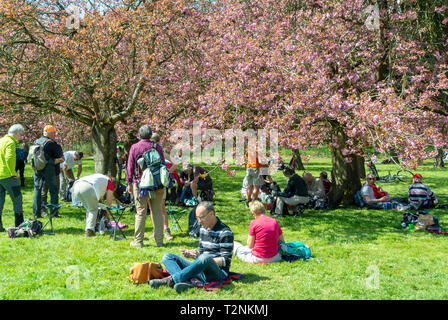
x=186 y=194
x=204 y=268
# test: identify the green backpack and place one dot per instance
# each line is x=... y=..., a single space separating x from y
x=295 y=248
x=155 y=174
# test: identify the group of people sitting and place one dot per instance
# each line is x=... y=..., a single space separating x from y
x=303 y=190
x=212 y=260
x=420 y=196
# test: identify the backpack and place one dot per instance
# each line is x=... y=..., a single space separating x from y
x=101 y=221
x=122 y=194
x=20 y=154
x=359 y=199
x=295 y=248
x=155 y=175
x=143 y=272
x=27 y=229
x=207 y=195
x=36 y=156
x=68 y=195
x=194 y=226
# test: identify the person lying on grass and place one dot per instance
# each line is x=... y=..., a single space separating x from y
x=212 y=259
x=262 y=242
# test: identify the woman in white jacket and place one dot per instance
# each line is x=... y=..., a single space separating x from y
x=89 y=191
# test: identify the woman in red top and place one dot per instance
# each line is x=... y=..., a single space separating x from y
x=262 y=242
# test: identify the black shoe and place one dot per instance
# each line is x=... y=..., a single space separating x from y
x=1 y=228
x=182 y=286
x=156 y=283
x=18 y=219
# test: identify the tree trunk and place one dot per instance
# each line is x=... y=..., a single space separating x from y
x=360 y=167
x=297 y=160
x=104 y=141
x=395 y=157
x=345 y=176
x=438 y=160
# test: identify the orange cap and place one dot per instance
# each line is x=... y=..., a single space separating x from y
x=49 y=128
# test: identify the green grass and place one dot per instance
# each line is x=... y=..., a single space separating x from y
x=351 y=246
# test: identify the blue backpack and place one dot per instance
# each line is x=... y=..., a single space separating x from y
x=295 y=248
x=359 y=199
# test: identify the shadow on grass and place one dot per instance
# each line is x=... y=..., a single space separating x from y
x=334 y=226
x=252 y=277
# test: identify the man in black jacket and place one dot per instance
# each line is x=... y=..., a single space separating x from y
x=296 y=192
x=50 y=174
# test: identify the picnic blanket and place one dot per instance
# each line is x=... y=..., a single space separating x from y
x=214 y=285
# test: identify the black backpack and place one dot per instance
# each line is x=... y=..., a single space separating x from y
x=194 y=226
x=122 y=194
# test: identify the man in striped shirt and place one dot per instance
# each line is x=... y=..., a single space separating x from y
x=212 y=259
x=421 y=196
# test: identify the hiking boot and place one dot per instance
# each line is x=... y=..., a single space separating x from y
x=168 y=235
x=90 y=233
x=18 y=219
x=157 y=283
x=182 y=286
x=134 y=244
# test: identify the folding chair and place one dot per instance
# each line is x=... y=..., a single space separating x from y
x=50 y=208
x=172 y=214
x=119 y=212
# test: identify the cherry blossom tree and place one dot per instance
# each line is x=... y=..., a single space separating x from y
x=322 y=75
x=90 y=61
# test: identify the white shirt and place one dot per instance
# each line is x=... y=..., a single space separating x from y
x=70 y=161
x=99 y=182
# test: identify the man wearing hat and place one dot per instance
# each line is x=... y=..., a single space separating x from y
x=421 y=196
x=50 y=174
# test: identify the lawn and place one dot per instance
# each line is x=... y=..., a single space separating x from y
x=358 y=253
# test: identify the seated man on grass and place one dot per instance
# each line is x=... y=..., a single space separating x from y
x=376 y=198
x=420 y=195
x=212 y=259
x=194 y=179
x=264 y=235
x=316 y=190
x=296 y=192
